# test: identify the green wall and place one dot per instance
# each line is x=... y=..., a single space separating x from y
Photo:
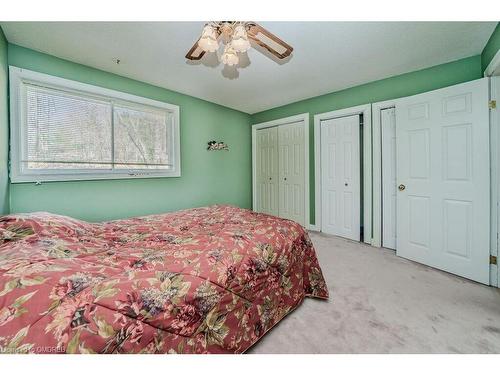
x=491 y=48
x=395 y=87
x=207 y=177
x=4 y=127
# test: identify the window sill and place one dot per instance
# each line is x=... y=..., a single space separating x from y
x=22 y=179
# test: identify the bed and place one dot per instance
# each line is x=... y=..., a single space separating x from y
x=204 y=280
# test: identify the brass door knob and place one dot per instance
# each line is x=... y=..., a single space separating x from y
x=401 y=187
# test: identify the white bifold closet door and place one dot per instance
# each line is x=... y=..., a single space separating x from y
x=389 y=183
x=443 y=199
x=340 y=177
x=267 y=171
x=291 y=171
x=280 y=171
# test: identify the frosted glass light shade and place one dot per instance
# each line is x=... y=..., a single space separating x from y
x=240 y=41
x=229 y=57
x=208 y=41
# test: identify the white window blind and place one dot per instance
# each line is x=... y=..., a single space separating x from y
x=65 y=130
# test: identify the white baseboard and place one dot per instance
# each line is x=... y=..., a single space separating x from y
x=314 y=228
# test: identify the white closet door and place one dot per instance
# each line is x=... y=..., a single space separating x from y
x=389 y=183
x=291 y=140
x=340 y=177
x=443 y=165
x=267 y=170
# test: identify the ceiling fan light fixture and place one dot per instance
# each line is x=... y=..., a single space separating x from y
x=240 y=41
x=208 y=41
x=229 y=57
x=237 y=37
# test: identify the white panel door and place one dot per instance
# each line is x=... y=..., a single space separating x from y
x=340 y=177
x=389 y=183
x=267 y=170
x=291 y=139
x=442 y=140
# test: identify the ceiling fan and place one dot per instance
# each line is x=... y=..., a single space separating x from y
x=236 y=37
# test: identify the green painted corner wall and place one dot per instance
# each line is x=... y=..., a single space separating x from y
x=4 y=127
x=207 y=177
x=390 y=88
x=491 y=48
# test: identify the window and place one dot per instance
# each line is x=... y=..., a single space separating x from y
x=66 y=130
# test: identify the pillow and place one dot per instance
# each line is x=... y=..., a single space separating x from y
x=18 y=226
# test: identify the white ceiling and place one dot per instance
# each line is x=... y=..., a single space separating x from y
x=328 y=56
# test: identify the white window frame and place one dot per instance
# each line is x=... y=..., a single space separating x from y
x=19 y=77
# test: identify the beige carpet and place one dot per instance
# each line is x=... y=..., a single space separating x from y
x=381 y=303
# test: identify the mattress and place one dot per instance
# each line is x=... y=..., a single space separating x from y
x=205 y=280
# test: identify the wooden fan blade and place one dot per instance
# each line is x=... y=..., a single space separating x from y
x=268 y=40
x=195 y=53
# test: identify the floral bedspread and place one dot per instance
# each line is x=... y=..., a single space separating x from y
x=204 y=280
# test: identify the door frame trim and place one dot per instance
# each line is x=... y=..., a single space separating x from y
x=366 y=111
x=494 y=178
x=304 y=117
x=377 y=168
x=493 y=65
